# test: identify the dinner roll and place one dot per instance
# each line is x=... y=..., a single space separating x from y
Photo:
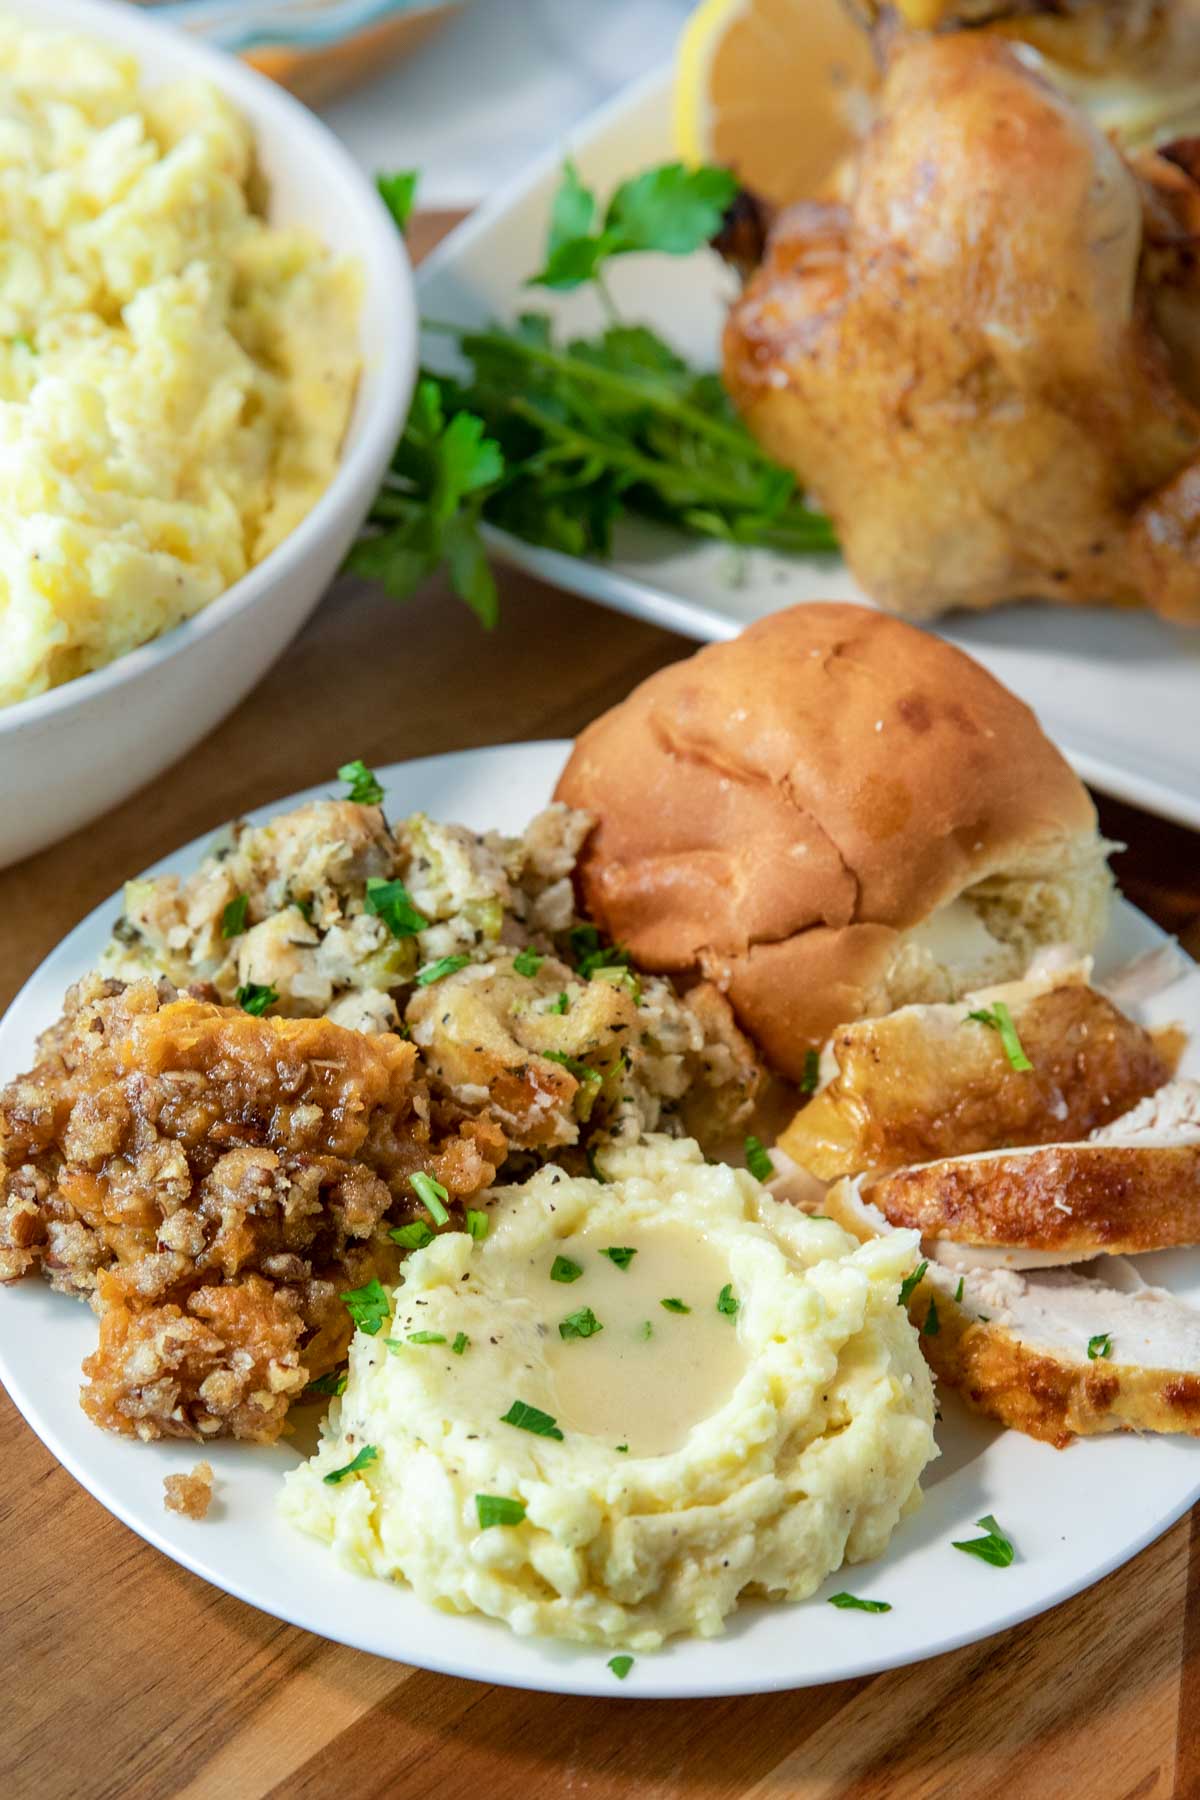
x=830 y=816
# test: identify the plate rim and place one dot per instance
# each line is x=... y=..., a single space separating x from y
x=578 y=1670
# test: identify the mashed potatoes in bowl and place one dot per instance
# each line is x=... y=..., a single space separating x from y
x=620 y=1404
x=176 y=375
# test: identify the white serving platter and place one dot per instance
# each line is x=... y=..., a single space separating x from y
x=1046 y=1500
x=1119 y=691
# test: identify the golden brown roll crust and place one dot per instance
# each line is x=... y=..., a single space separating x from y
x=925 y=1083
x=1077 y=1199
x=775 y=810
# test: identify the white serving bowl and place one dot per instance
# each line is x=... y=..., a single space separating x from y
x=69 y=754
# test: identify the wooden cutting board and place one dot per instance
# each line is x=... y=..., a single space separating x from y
x=124 y=1677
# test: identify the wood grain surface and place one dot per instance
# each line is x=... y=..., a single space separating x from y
x=124 y=1677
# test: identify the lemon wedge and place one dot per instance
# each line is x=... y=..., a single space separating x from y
x=777 y=90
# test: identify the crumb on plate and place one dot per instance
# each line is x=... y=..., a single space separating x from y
x=189 y=1494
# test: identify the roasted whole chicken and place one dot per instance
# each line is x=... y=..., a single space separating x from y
x=986 y=365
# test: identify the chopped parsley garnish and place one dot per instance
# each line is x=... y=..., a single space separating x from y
x=364 y=787
x=958 y=1292
x=426 y=1337
x=333 y=1383
x=233 y=918
x=675 y=1306
x=911 y=1283
x=998 y=1018
x=477 y=1224
x=727 y=1303
x=583 y=1072
x=496 y=1509
x=620 y=1666
x=620 y=1254
x=392 y=902
x=1100 y=1346
x=592 y=954
x=757 y=1161
x=995 y=1548
x=646 y=1330
x=932 y=1324
x=596 y=1173
x=305 y=909
x=368 y=1306
x=461 y=1340
x=581 y=1324
x=254 y=998
x=531 y=1418
x=563 y=1269
x=398 y=191
x=432 y=1195
x=363 y=1460
x=412 y=1237
x=528 y=962
x=847 y=1601
x=560 y=1005
x=437 y=971
x=622 y=1449
x=812 y=1072
x=625 y=978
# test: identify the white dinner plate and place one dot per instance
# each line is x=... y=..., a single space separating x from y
x=1073 y=1514
x=1120 y=691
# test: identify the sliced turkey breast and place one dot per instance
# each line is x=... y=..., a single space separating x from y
x=1172 y=1115
x=931 y=1081
x=1055 y=1353
x=1133 y=1187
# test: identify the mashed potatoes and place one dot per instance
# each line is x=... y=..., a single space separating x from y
x=738 y=1405
x=175 y=376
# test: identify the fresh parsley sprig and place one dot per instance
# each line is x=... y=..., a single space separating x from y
x=498 y=1509
x=911 y=1283
x=398 y=193
x=368 y=1306
x=531 y=1418
x=432 y=1195
x=366 y=1456
x=671 y=209
x=233 y=917
x=254 y=997
x=581 y=1324
x=757 y=1160
x=555 y=442
x=392 y=902
x=364 y=785
x=429 y=508
x=995 y=1548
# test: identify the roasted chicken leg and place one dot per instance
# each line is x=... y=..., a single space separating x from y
x=983 y=367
